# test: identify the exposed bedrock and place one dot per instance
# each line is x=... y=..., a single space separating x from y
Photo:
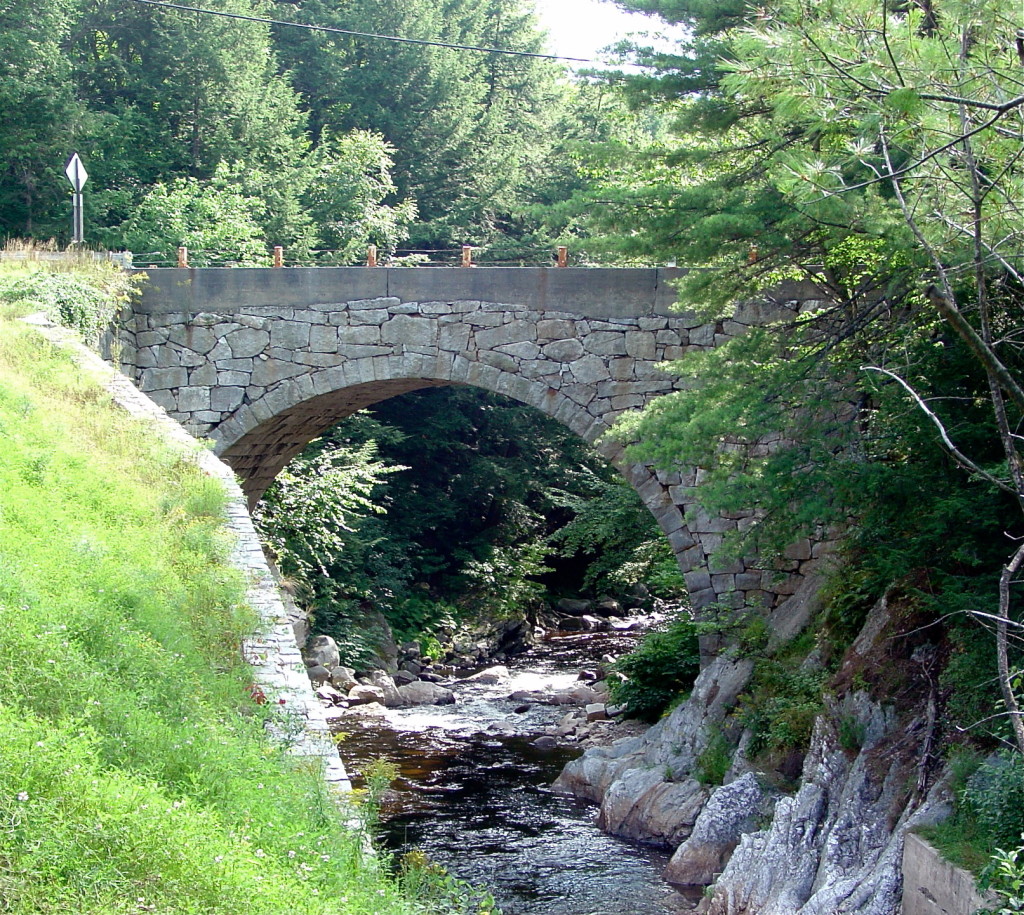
x=834 y=845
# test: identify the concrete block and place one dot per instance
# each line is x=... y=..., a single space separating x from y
x=934 y=886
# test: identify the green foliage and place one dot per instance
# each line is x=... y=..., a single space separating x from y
x=215 y=219
x=85 y=300
x=136 y=770
x=505 y=584
x=714 y=760
x=995 y=796
x=851 y=731
x=315 y=502
x=471 y=525
x=986 y=818
x=471 y=163
x=350 y=181
x=618 y=536
x=663 y=666
x=781 y=705
x=1005 y=877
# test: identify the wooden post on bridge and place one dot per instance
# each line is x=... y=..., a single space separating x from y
x=371 y=256
x=278 y=256
x=563 y=256
x=467 y=256
x=182 y=256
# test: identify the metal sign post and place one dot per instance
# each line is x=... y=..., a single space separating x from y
x=77 y=175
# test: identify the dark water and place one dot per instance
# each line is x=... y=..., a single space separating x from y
x=474 y=796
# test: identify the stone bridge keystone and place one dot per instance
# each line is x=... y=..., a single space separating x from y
x=261 y=361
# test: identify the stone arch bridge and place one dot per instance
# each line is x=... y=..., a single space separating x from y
x=261 y=361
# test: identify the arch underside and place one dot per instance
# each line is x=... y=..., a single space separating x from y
x=258 y=449
x=262 y=453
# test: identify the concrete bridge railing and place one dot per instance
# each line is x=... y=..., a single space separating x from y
x=261 y=361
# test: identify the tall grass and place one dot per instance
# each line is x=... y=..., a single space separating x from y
x=135 y=775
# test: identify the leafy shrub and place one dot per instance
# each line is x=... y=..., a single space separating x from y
x=714 y=760
x=781 y=706
x=663 y=666
x=995 y=795
x=1005 y=877
x=86 y=301
x=851 y=733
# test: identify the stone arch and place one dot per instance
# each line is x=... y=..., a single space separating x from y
x=262 y=360
x=259 y=439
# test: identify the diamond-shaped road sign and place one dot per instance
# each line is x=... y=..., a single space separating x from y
x=76 y=173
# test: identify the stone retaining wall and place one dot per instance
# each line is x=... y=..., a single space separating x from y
x=277 y=664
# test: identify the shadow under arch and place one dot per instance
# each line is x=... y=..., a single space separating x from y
x=260 y=438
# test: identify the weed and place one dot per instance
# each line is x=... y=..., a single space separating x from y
x=714 y=760
x=852 y=732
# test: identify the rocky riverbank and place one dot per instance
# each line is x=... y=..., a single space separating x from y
x=834 y=844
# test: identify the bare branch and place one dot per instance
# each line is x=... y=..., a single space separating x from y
x=965 y=462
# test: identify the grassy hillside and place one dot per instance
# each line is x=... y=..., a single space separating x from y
x=135 y=775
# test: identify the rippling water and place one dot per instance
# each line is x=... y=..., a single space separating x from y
x=474 y=796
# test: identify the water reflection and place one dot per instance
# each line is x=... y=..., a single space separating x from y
x=473 y=795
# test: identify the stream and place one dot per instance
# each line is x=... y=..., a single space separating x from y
x=474 y=795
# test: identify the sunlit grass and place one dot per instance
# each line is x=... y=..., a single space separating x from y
x=135 y=774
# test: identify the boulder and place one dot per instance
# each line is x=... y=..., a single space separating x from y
x=731 y=810
x=596 y=711
x=376 y=633
x=423 y=693
x=607 y=606
x=594 y=623
x=637 y=596
x=410 y=649
x=404 y=677
x=491 y=675
x=644 y=805
x=318 y=674
x=583 y=695
x=322 y=651
x=328 y=693
x=343 y=678
x=364 y=694
x=382 y=681
x=568 y=606
x=545 y=742
x=514 y=637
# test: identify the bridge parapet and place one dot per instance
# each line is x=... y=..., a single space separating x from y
x=262 y=361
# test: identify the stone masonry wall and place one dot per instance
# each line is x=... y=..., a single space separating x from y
x=262 y=380
x=278 y=669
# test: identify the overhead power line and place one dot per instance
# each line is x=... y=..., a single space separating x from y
x=162 y=4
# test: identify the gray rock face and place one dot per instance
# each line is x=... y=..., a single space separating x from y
x=323 y=650
x=423 y=693
x=730 y=811
x=832 y=847
x=382 y=682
